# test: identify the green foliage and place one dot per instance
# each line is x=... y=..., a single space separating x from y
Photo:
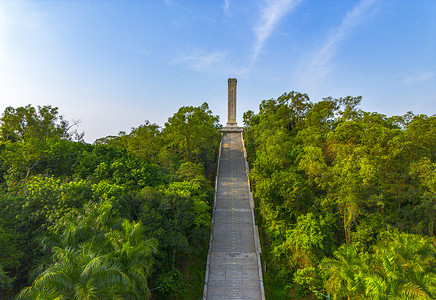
x=400 y=266
x=10 y=255
x=5 y=281
x=80 y=274
x=23 y=123
x=170 y=283
x=328 y=176
x=108 y=220
x=345 y=279
x=192 y=135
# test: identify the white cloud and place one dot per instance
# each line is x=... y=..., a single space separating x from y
x=226 y=7
x=318 y=66
x=199 y=60
x=419 y=78
x=271 y=13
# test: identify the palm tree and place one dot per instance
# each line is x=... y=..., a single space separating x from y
x=402 y=266
x=80 y=274
x=92 y=260
x=345 y=273
x=134 y=254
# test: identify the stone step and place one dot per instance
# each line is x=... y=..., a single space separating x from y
x=233 y=267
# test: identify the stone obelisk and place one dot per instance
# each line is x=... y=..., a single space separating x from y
x=232 y=102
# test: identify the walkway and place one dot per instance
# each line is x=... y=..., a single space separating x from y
x=233 y=268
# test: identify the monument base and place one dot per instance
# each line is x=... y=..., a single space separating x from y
x=233 y=128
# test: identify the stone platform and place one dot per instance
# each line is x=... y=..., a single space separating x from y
x=232 y=129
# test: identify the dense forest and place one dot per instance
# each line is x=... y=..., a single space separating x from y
x=346 y=203
x=127 y=217
x=346 y=199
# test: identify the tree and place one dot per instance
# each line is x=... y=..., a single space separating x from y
x=145 y=142
x=81 y=274
x=344 y=273
x=22 y=158
x=10 y=257
x=426 y=171
x=134 y=254
x=302 y=250
x=90 y=244
x=192 y=133
x=402 y=265
x=69 y=211
x=31 y=135
x=19 y=124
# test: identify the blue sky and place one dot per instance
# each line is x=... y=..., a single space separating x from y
x=115 y=64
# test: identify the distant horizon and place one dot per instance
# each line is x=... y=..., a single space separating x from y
x=115 y=65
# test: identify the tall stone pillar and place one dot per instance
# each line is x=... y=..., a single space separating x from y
x=232 y=102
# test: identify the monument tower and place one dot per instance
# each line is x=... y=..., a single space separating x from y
x=232 y=102
x=231 y=126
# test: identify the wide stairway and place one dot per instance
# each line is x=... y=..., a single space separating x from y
x=233 y=265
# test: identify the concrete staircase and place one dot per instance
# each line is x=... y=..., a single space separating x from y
x=233 y=264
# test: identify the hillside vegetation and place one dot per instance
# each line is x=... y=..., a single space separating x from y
x=127 y=217
x=346 y=199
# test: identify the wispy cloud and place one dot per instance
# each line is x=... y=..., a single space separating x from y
x=199 y=60
x=318 y=66
x=271 y=14
x=226 y=7
x=419 y=78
